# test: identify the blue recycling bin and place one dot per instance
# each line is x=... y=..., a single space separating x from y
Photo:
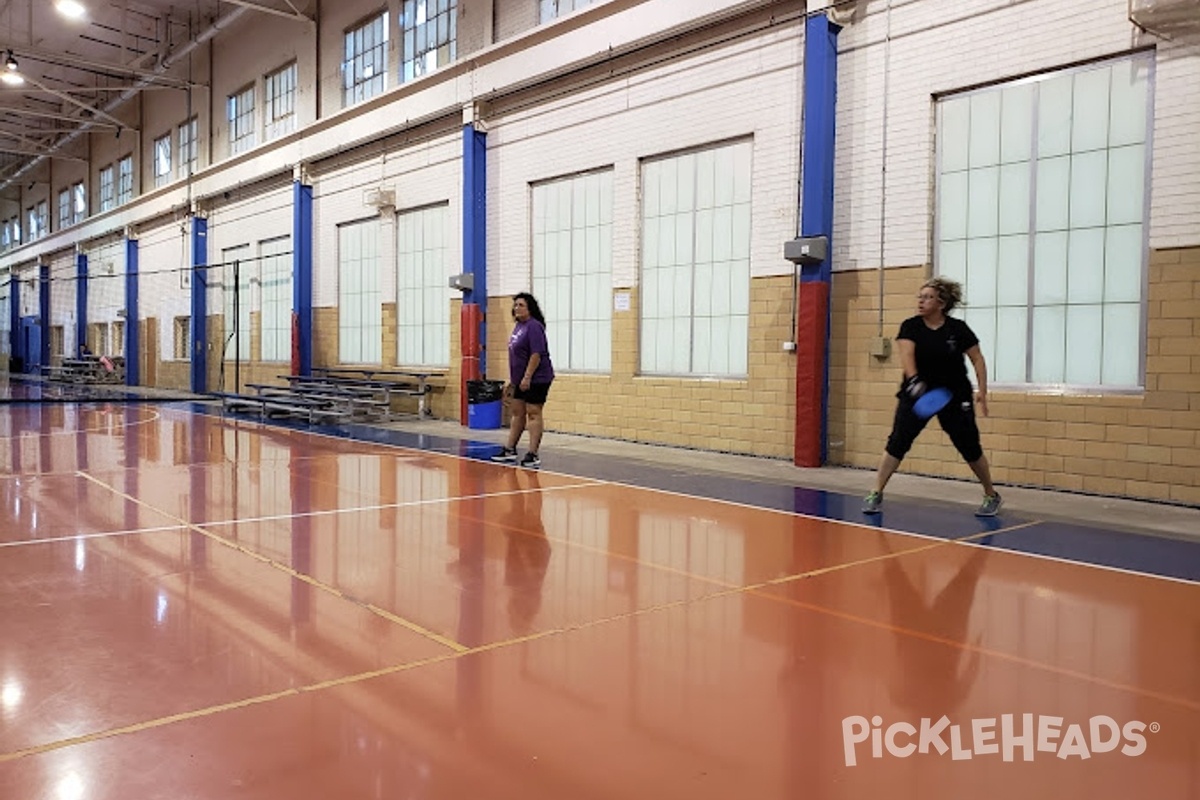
x=484 y=400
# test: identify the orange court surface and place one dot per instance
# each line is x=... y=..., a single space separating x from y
x=198 y=606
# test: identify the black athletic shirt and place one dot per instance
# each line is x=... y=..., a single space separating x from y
x=941 y=352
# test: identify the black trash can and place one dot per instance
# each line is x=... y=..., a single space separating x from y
x=484 y=399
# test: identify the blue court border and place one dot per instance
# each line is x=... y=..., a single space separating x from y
x=1134 y=551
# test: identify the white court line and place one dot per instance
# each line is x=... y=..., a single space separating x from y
x=384 y=507
x=99 y=535
x=736 y=504
x=154 y=416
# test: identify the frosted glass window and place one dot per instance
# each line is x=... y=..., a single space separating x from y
x=1013 y=288
x=1122 y=336
x=956 y=134
x=1083 y=356
x=276 y=267
x=422 y=280
x=237 y=270
x=1126 y=189
x=1089 y=182
x=573 y=278
x=1123 y=264
x=695 y=309
x=985 y=129
x=360 y=313
x=1041 y=191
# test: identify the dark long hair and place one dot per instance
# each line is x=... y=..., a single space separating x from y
x=535 y=310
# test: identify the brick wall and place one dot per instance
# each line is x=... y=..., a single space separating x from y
x=1142 y=445
x=752 y=416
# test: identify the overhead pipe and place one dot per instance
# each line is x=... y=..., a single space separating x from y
x=217 y=26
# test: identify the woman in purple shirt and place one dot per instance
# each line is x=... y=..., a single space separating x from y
x=530 y=374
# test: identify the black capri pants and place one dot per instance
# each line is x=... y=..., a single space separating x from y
x=957 y=420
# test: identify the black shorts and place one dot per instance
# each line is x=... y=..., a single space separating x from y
x=535 y=395
x=957 y=420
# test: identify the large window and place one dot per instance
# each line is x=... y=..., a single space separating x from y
x=64 y=209
x=551 y=9
x=572 y=268
x=364 y=65
x=125 y=180
x=39 y=220
x=360 y=313
x=422 y=301
x=695 y=285
x=430 y=30
x=79 y=208
x=107 y=195
x=188 y=148
x=162 y=160
x=236 y=281
x=240 y=112
x=1041 y=214
x=276 y=299
x=281 y=102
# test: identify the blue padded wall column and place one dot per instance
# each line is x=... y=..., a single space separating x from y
x=14 y=316
x=816 y=219
x=199 y=304
x=302 y=278
x=132 y=334
x=44 y=313
x=81 y=301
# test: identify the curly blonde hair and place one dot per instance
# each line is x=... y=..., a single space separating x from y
x=949 y=292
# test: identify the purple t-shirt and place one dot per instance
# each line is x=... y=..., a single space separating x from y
x=527 y=338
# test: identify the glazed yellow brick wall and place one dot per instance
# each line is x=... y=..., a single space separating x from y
x=1141 y=446
x=754 y=415
x=325 y=354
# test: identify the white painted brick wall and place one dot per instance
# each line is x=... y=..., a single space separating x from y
x=106 y=281
x=63 y=291
x=938 y=46
x=162 y=253
x=747 y=89
x=424 y=174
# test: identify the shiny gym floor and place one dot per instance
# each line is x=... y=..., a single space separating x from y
x=199 y=606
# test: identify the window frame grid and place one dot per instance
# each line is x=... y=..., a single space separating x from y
x=415 y=42
x=562 y=326
x=272 y=265
x=240 y=113
x=367 y=346
x=279 y=90
x=189 y=149
x=124 y=180
x=355 y=61
x=432 y=290
x=690 y=373
x=162 y=150
x=1139 y=60
x=107 y=188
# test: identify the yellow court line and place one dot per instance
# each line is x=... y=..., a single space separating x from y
x=321 y=685
x=324 y=587
x=728 y=592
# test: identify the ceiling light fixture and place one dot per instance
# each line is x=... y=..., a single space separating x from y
x=10 y=75
x=71 y=8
